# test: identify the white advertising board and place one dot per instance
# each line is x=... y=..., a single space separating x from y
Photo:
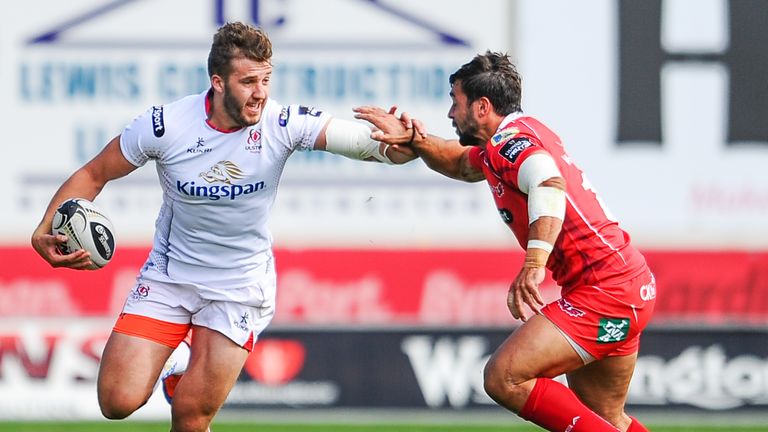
x=77 y=72
x=683 y=170
x=49 y=370
x=669 y=142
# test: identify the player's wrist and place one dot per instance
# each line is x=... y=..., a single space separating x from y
x=413 y=135
x=419 y=134
x=41 y=230
x=420 y=142
x=537 y=254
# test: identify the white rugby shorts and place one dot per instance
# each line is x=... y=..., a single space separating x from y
x=163 y=311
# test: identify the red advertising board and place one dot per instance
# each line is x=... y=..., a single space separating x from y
x=398 y=287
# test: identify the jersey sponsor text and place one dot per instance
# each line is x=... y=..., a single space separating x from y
x=214 y=193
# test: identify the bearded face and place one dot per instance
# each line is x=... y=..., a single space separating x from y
x=468 y=131
x=462 y=113
x=235 y=108
x=466 y=126
x=244 y=91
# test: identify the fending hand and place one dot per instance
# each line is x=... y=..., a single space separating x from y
x=390 y=129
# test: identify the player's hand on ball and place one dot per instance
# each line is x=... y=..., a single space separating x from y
x=84 y=227
x=48 y=246
x=80 y=237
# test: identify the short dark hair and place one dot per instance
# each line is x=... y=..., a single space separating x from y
x=494 y=76
x=233 y=40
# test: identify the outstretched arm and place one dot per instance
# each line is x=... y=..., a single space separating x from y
x=355 y=141
x=447 y=157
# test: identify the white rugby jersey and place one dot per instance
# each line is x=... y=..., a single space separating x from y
x=218 y=188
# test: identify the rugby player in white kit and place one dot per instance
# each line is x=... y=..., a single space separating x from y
x=219 y=157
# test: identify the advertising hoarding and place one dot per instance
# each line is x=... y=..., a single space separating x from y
x=383 y=287
x=49 y=369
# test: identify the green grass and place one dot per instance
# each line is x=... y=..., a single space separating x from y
x=125 y=426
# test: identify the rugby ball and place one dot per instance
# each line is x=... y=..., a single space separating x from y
x=86 y=227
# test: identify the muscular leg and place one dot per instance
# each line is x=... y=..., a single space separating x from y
x=128 y=371
x=603 y=385
x=518 y=377
x=214 y=366
x=536 y=349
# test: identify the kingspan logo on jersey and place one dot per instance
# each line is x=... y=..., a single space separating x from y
x=226 y=172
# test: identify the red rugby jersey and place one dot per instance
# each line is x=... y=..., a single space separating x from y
x=591 y=248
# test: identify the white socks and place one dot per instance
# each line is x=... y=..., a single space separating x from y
x=178 y=361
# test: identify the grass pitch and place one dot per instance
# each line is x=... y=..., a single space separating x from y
x=127 y=426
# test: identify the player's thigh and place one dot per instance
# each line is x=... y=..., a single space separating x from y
x=603 y=384
x=215 y=363
x=129 y=368
x=535 y=349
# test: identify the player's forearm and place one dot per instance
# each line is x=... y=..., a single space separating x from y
x=441 y=155
x=79 y=185
x=542 y=235
x=545 y=228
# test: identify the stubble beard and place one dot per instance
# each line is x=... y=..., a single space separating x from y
x=467 y=135
x=469 y=140
x=235 y=111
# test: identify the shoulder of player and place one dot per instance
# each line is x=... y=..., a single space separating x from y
x=275 y=113
x=508 y=145
x=297 y=111
x=158 y=121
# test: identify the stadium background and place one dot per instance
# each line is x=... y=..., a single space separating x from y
x=392 y=279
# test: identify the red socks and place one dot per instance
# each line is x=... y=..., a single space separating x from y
x=554 y=407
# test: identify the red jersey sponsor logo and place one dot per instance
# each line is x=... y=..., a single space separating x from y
x=513 y=148
x=503 y=136
x=498 y=189
x=570 y=309
x=648 y=291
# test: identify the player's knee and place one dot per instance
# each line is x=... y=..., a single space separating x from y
x=499 y=381
x=118 y=405
x=117 y=411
